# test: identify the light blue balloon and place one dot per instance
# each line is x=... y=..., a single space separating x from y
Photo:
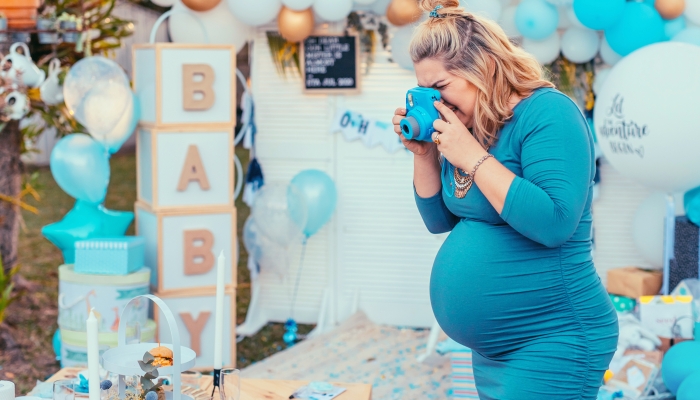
x=640 y=25
x=672 y=27
x=690 y=387
x=86 y=221
x=321 y=196
x=680 y=361
x=80 y=166
x=56 y=342
x=689 y=35
x=536 y=19
x=599 y=14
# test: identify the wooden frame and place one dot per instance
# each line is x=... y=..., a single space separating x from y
x=358 y=74
x=153 y=204
x=201 y=293
x=189 y=292
x=158 y=47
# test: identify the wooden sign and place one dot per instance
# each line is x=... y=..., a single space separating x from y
x=331 y=64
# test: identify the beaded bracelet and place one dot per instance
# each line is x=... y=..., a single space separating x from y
x=481 y=160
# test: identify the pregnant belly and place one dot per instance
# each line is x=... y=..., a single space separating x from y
x=493 y=290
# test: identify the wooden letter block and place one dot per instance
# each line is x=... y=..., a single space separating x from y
x=197 y=94
x=195 y=315
x=195 y=252
x=185 y=168
x=185 y=85
x=182 y=246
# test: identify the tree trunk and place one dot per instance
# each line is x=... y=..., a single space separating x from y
x=10 y=185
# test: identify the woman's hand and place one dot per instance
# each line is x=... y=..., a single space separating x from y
x=457 y=144
x=416 y=147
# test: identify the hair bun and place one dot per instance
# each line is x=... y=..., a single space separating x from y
x=429 y=5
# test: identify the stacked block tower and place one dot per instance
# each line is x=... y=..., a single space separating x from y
x=185 y=175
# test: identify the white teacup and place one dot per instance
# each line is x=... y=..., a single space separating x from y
x=51 y=90
x=15 y=62
x=16 y=105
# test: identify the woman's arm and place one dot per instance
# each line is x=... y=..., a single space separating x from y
x=428 y=193
x=546 y=204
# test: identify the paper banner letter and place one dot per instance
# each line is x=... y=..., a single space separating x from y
x=193 y=170
x=195 y=328
x=202 y=251
x=192 y=86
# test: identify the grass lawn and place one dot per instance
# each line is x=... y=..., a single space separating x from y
x=32 y=319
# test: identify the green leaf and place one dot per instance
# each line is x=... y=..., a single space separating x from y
x=146 y=383
x=146 y=367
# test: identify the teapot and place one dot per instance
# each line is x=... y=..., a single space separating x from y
x=16 y=105
x=51 y=90
x=17 y=66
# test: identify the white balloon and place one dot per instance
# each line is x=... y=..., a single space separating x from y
x=164 y=3
x=255 y=13
x=608 y=55
x=573 y=19
x=564 y=21
x=103 y=107
x=379 y=7
x=365 y=2
x=333 y=10
x=400 y=47
x=580 y=45
x=220 y=24
x=298 y=5
x=600 y=77
x=487 y=8
x=646 y=116
x=545 y=51
x=692 y=11
x=648 y=229
x=507 y=22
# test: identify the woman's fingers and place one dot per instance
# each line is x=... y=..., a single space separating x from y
x=400 y=111
x=440 y=125
x=447 y=113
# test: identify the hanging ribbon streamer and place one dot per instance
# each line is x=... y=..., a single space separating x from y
x=248 y=120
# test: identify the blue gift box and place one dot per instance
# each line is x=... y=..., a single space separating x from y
x=110 y=256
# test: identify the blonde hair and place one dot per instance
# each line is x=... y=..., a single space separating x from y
x=478 y=50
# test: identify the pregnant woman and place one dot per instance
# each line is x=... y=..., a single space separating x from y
x=509 y=173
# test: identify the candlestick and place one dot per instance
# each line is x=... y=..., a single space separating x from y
x=219 y=321
x=93 y=357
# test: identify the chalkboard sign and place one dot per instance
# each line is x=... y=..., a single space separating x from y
x=331 y=64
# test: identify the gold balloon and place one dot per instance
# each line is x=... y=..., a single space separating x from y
x=295 y=26
x=200 y=5
x=403 y=12
x=670 y=9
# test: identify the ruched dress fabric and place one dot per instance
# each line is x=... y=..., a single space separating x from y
x=520 y=288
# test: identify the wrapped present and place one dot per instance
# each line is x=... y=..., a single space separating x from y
x=669 y=317
x=463 y=385
x=110 y=256
x=622 y=303
x=636 y=378
x=634 y=282
x=686 y=252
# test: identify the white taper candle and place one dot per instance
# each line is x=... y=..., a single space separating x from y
x=219 y=321
x=93 y=356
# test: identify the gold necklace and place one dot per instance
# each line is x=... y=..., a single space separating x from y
x=463 y=181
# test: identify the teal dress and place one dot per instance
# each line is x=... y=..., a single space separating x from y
x=520 y=288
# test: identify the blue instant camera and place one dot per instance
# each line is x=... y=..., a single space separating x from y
x=421 y=113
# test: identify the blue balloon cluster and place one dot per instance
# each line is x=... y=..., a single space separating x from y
x=628 y=25
x=536 y=19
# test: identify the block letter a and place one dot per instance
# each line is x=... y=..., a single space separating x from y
x=204 y=87
x=193 y=170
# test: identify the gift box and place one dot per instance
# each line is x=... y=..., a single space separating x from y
x=110 y=256
x=634 y=282
x=622 y=303
x=686 y=257
x=635 y=378
x=463 y=386
x=668 y=317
